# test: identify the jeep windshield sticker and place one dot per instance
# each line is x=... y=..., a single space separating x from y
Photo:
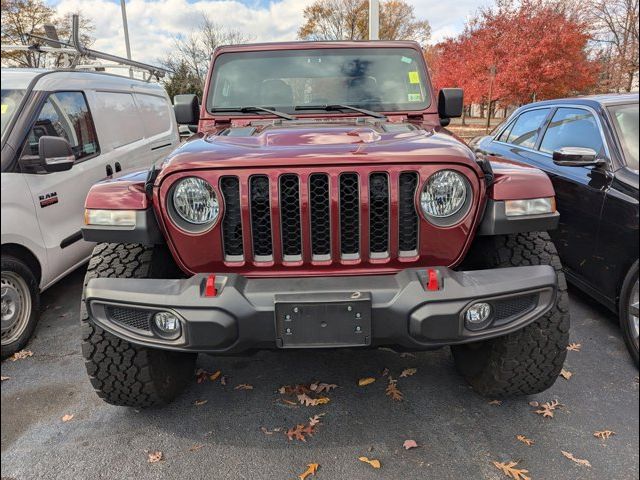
x=406 y=60
x=414 y=97
x=414 y=77
x=5 y=107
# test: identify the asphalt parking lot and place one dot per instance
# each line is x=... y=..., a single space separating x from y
x=460 y=434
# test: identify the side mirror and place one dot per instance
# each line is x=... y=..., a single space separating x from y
x=576 y=157
x=450 y=103
x=187 y=109
x=56 y=154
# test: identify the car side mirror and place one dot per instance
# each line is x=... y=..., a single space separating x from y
x=576 y=157
x=56 y=154
x=450 y=104
x=187 y=109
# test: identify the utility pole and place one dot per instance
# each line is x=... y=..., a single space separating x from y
x=123 y=7
x=374 y=19
x=492 y=76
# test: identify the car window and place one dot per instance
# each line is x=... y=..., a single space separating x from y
x=626 y=124
x=66 y=115
x=572 y=127
x=505 y=133
x=525 y=131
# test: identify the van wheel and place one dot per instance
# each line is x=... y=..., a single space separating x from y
x=629 y=311
x=20 y=304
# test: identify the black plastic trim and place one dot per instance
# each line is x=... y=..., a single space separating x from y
x=146 y=231
x=71 y=239
x=496 y=222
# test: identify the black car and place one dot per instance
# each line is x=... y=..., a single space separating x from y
x=589 y=148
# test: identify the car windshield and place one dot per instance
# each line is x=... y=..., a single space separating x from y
x=626 y=123
x=378 y=79
x=10 y=102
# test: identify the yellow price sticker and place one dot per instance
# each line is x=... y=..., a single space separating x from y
x=414 y=77
x=5 y=107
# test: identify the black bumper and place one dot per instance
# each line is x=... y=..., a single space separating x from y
x=322 y=312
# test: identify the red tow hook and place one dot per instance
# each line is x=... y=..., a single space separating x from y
x=210 y=286
x=433 y=283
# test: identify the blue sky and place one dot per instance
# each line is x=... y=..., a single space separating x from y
x=154 y=23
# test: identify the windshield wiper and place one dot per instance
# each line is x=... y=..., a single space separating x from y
x=250 y=109
x=338 y=107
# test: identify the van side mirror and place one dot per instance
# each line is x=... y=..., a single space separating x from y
x=187 y=109
x=56 y=154
x=450 y=103
x=576 y=157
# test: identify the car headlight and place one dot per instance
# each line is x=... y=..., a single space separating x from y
x=444 y=195
x=195 y=201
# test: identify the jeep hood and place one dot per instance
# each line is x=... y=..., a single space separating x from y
x=309 y=143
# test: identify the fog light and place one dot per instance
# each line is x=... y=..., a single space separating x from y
x=477 y=316
x=167 y=324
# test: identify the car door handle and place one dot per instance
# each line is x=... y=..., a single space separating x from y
x=109 y=171
x=118 y=167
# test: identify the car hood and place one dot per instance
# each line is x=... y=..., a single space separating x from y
x=308 y=143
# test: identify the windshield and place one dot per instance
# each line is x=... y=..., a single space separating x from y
x=625 y=118
x=10 y=102
x=380 y=79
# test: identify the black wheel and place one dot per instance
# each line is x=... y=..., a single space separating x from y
x=629 y=311
x=528 y=360
x=123 y=373
x=20 y=304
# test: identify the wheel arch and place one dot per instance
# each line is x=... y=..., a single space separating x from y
x=27 y=256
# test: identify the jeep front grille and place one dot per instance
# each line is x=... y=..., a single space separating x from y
x=341 y=217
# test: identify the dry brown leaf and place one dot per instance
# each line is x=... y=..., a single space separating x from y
x=289 y=402
x=322 y=387
x=409 y=444
x=604 y=434
x=4 y=378
x=294 y=390
x=20 y=355
x=495 y=402
x=408 y=372
x=534 y=404
x=312 y=468
x=197 y=403
x=566 y=374
x=527 y=441
x=315 y=420
x=308 y=401
x=363 y=382
x=68 y=417
x=155 y=457
x=201 y=375
x=214 y=376
x=243 y=386
x=546 y=409
x=510 y=470
x=300 y=432
x=196 y=447
x=574 y=347
x=266 y=431
x=393 y=391
x=373 y=462
x=579 y=461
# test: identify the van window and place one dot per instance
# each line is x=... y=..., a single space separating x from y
x=525 y=131
x=572 y=127
x=66 y=115
x=119 y=118
x=156 y=114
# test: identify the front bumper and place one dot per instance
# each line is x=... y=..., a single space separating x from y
x=249 y=313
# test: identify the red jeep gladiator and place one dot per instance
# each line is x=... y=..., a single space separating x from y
x=322 y=204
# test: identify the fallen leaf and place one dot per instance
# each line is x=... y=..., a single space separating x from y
x=604 y=434
x=223 y=380
x=197 y=403
x=393 y=391
x=4 y=378
x=243 y=386
x=566 y=374
x=527 y=441
x=196 y=447
x=407 y=355
x=312 y=468
x=408 y=372
x=409 y=444
x=300 y=432
x=266 y=431
x=308 y=401
x=574 y=347
x=579 y=461
x=67 y=417
x=495 y=402
x=534 y=404
x=201 y=375
x=289 y=402
x=322 y=387
x=20 y=355
x=294 y=390
x=315 y=420
x=546 y=409
x=363 y=382
x=373 y=462
x=510 y=470
x=214 y=376
x=155 y=457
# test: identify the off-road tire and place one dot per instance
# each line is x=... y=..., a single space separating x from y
x=529 y=360
x=17 y=267
x=625 y=294
x=123 y=373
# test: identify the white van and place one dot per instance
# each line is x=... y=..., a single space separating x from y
x=63 y=131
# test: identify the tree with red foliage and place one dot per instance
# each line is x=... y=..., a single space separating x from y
x=537 y=50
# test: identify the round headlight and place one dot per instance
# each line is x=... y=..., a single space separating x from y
x=444 y=194
x=195 y=201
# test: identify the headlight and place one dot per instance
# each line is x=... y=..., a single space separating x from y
x=195 y=201
x=110 y=218
x=534 y=206
x=444 y=195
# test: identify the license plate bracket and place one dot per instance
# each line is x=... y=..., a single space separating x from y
x=320 y=320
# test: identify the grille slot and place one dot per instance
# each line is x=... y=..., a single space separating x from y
x=320 y=216
x=349 y=216
x=260 y=218
x=507 y=308
x=130 y=317
x=407 y=215
x=379 y=215
x=290 y=217
x=232 y=221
